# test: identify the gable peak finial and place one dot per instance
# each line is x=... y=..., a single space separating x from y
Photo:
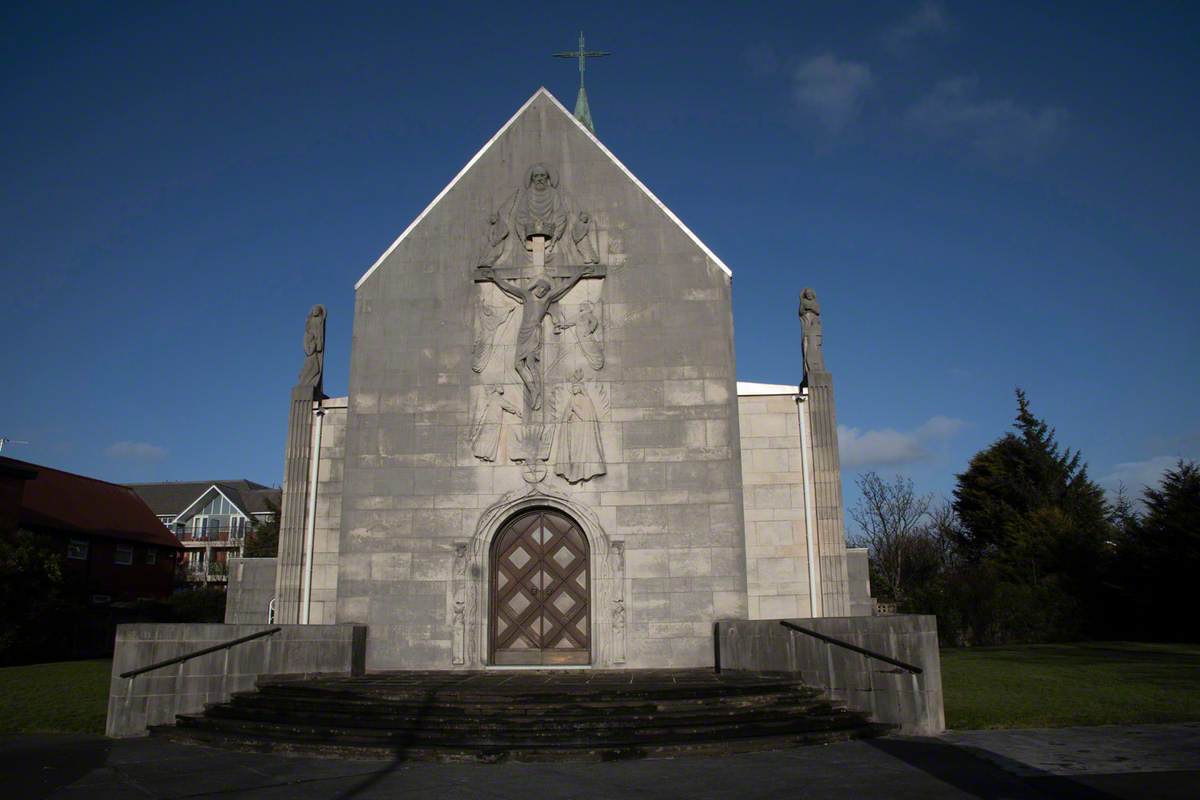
x=582 y=112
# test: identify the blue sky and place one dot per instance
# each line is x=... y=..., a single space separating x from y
x=984 y=197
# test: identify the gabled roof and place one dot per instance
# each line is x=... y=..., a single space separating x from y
x=62 y=502
x=543 y=92
x=175 y=497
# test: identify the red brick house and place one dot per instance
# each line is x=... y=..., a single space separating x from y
x=113 y=547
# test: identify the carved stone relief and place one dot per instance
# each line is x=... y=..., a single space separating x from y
x=495 y=424
x=459 y=613
x=489 y=320
x=577 y=451
x=618 y=602
x=559 y=248
x=583 y=235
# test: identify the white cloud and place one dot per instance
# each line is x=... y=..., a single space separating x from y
x=832 y=90
x=998 y=129
x=927 y=19
x=885 y=447
x=1135 y=476
x=136 y=451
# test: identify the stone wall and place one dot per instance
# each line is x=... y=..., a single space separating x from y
x=328 y=517
x=781 y=505
x=420 y=506
x=777 y=574
x=889 y=695
x=154 y=698
x=250 y=590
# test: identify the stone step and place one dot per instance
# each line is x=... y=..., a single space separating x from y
x=526 y=695
x=509 y=707
x=594 y=752
x=537 y=715
x=517 y=738
x=579 y=719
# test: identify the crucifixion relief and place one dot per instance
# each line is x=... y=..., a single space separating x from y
x=538 y=272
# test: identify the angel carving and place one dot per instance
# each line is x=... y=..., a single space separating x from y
x=578 y=451
x=588 y=331
x=488 y=322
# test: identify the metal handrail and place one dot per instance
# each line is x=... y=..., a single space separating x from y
x=203 y=652
x=864 y=651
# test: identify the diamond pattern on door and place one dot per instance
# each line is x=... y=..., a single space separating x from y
x=539 y=599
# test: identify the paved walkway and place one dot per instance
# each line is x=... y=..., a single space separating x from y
x=1147 y=761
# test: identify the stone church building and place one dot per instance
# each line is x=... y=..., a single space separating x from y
x=545 y=457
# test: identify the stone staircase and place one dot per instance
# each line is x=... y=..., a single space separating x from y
x=534 y=715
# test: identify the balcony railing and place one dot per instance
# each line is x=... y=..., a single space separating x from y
x=212 y=535
x=207 y=573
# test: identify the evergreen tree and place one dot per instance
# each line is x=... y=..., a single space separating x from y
x=1162 y=556
x=1029 y=512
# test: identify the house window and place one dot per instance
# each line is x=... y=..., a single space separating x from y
x=123 y=554
x=77 y=549
x=151 y=555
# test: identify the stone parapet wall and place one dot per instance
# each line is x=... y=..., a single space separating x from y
x=154 y=698
x=891 y=696
x=250 y=589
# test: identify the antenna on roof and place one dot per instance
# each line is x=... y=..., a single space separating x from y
x=5 y=440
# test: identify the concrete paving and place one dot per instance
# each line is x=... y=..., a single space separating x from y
x=1159 y=762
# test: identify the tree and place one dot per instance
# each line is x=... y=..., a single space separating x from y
x=263 y=540
x=1161 y=557
x=1029 y=511
x=891 y=516
x=36 y=620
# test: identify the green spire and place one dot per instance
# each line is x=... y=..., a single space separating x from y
x=582 y=112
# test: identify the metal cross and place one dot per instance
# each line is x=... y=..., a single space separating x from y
x=582 y=54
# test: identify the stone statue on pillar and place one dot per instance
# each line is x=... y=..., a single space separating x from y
x=810 y=321
x=312 y=373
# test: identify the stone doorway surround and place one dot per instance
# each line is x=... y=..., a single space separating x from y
x=471 y=586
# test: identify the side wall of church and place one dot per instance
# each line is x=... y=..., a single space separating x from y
x=330 y=450
x=422 y=485
x=780 y=503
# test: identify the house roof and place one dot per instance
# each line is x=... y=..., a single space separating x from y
x=175 y=497
x=57 y=501
x=543 y=92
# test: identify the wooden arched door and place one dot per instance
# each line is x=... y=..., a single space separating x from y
x=540 y=586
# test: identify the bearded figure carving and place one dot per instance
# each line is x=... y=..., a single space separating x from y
x=541 y=209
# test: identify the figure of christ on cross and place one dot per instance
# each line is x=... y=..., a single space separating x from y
x=536 y=300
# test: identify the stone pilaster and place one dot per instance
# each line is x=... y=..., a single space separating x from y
x=827 y=484
x=294 y=507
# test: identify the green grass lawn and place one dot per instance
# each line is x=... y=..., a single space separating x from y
x=62 y=697
x=1097 y=683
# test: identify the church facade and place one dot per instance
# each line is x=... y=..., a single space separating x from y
x=545 y=457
